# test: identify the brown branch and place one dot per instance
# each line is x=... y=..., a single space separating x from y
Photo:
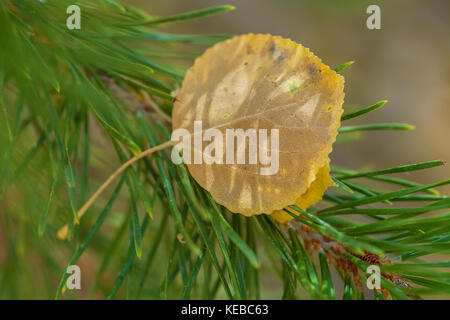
x=334 y=253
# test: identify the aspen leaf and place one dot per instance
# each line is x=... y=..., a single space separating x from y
x=310 y=197
x=263 y=82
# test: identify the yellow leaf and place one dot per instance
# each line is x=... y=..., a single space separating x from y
x=262 y=82
x=313 y=195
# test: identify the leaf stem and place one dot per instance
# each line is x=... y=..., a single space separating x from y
x=62 y=233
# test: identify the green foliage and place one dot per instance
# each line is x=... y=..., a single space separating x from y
x=72 y=110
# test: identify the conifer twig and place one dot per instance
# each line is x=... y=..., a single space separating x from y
x=155 y=107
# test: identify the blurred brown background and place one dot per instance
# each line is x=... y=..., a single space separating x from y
x=406 y=62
